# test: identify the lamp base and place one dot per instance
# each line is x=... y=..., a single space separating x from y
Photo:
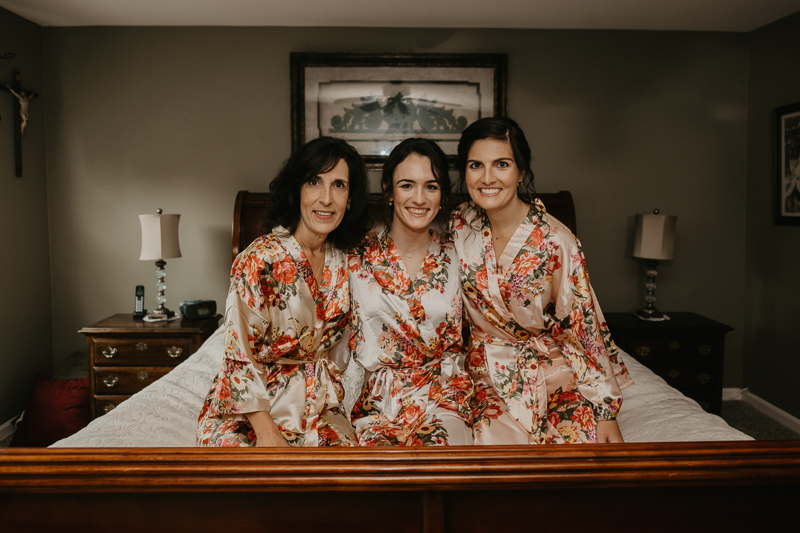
x=651 y=315
x=153 y=317
x=649 y=312
x=162 y=312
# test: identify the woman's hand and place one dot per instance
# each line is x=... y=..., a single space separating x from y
x=267 y=432
x=608 y=432
x=271 y=441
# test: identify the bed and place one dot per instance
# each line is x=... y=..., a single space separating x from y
x=137 y=467
x=165 y=413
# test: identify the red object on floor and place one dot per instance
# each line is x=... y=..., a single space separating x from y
x=57 y=408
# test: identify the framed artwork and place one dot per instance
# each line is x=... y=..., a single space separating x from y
x=787 y=122
x=375 y=101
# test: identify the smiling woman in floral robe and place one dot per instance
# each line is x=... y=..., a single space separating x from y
x=544 y=365
x=406 y=313
x=288 y=304
x=277 y=348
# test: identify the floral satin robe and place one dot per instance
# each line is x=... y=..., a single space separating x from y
x=406 y=333
x=280 y=330
x=544 y=365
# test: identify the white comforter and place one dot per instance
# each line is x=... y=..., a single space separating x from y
x=165 y=413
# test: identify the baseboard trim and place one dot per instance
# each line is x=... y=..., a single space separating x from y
x=762 y=405
x=8 y=429
x=730 y=393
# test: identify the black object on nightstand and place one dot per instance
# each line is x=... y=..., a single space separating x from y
x=687 y=351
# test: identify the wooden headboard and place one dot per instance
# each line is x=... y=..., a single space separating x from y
x=250 y=207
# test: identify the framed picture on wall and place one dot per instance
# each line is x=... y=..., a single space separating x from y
x=787 y=121
x=375 y=101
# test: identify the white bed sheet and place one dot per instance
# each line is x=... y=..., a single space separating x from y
x=165 y=413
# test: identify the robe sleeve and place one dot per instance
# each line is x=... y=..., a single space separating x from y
x=578 y=329
x=240 y=385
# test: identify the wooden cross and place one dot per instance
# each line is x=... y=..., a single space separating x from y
x=21 y=102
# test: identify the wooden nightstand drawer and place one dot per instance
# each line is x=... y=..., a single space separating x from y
x=688 y=350
x=126 y=380
x=106 y=404
x=694 y=379
x=144 y=351
x=127 y=354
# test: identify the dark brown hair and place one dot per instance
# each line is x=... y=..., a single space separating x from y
x=500 y=129
x=439 y=167
x=312 y=159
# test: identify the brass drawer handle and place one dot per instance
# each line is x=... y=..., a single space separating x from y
x=111 y=381
x=107 y=408
x=704 y=349
x=141 y=346
x=142 y=375
x=110 y=351
x=174 y=351
x=643 y=351
x=703 y=378
x=673 y=373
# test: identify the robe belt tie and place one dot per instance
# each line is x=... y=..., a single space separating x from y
x=318 y=398
x=390 y=387
x=515 y=368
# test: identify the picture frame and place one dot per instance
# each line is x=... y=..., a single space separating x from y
x=787 y=164
x=374 y=101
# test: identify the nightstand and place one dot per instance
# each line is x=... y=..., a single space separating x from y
x=687 y=351
x=126 y=354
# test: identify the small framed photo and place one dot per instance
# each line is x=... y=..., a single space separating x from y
x=787 y=121
x=375 y=101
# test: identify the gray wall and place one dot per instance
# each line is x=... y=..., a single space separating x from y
x=773 y=251
x=26 y=310
x=182 y=118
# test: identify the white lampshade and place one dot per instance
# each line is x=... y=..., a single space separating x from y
x=654 y=237
x=159 y=237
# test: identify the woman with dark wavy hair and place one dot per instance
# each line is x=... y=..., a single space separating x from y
x=406 y=312
x=544 y=365
x=287 y=307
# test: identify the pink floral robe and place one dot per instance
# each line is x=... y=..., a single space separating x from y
x=280 y=330
x=544 y=365
x=407 y=336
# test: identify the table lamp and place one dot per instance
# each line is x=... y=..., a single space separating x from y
x=654 y=240
x=159 y=242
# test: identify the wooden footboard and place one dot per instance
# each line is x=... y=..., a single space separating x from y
x=630 y=487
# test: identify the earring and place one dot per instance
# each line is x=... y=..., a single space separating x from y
x=391 y=202
x=348 y=204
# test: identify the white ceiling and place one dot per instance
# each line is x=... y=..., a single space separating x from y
x=691 y=15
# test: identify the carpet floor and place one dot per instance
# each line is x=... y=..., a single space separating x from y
x=747 y=419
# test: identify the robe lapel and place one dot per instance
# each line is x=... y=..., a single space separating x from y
x=492 y=275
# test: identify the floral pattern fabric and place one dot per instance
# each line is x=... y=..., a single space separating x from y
x=281 y=328
x=407 y=334
x=544 y=365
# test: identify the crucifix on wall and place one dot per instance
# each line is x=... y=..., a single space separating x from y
x=22 y=99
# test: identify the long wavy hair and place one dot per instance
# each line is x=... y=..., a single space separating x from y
x=312 y=159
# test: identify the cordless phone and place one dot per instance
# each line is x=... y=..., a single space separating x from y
x=138 y=310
